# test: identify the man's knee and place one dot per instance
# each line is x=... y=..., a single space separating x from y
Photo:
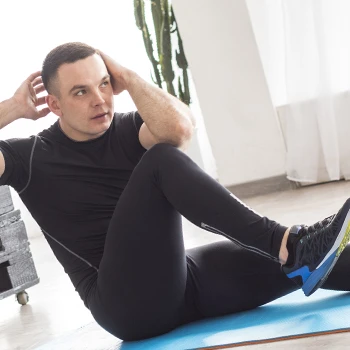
x=161 y=158
x=161 y=148
x=159 y=153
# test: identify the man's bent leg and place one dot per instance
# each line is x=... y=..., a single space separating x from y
x=141 y=289
x=230 y=279
x=209 y=205
x=142 y=283
x=314 y=249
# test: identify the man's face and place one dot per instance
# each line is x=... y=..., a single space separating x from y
x=85 y=102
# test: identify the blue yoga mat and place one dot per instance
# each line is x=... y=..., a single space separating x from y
x=291 y=316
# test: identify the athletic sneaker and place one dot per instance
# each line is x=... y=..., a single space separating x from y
x=315 y=249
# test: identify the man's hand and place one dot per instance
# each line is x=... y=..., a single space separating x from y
x=119 y=74
x=166 y=118
x=26 y=98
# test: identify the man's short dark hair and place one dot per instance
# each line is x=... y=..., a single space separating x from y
x=66 y=53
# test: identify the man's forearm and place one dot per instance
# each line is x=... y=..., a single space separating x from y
x=167 y=118
x=9 y=112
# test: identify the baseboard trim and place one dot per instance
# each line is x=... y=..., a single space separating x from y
x=263 y=186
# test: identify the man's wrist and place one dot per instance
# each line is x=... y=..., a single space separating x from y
x=130 y=78
x=15 y=109
x=10 y=111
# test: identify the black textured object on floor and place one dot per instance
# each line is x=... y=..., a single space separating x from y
x=17 y=270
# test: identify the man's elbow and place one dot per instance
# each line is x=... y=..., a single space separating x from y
x=184 y=134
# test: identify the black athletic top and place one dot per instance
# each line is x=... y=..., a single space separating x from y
x=71 y=188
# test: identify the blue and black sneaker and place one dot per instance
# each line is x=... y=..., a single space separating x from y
x=314 y=250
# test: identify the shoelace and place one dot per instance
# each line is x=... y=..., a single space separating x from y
x=314 y=243
x=317 y=226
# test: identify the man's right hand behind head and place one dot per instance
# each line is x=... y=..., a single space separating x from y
x=27 y=100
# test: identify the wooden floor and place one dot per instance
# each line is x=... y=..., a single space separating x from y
x=55 y=308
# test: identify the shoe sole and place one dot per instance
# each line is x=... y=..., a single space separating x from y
x=321 y=273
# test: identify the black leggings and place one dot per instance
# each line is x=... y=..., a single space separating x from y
x=148 y=284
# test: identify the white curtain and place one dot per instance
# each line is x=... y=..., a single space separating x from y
x=311 y=89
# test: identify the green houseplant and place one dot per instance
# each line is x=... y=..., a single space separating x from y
x=168 y=58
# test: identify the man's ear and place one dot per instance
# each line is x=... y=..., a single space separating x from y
x=54 y=105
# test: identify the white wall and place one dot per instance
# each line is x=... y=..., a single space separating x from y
x=226 y=67
x=268 y=25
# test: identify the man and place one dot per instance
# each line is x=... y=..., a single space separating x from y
x=108 y=191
